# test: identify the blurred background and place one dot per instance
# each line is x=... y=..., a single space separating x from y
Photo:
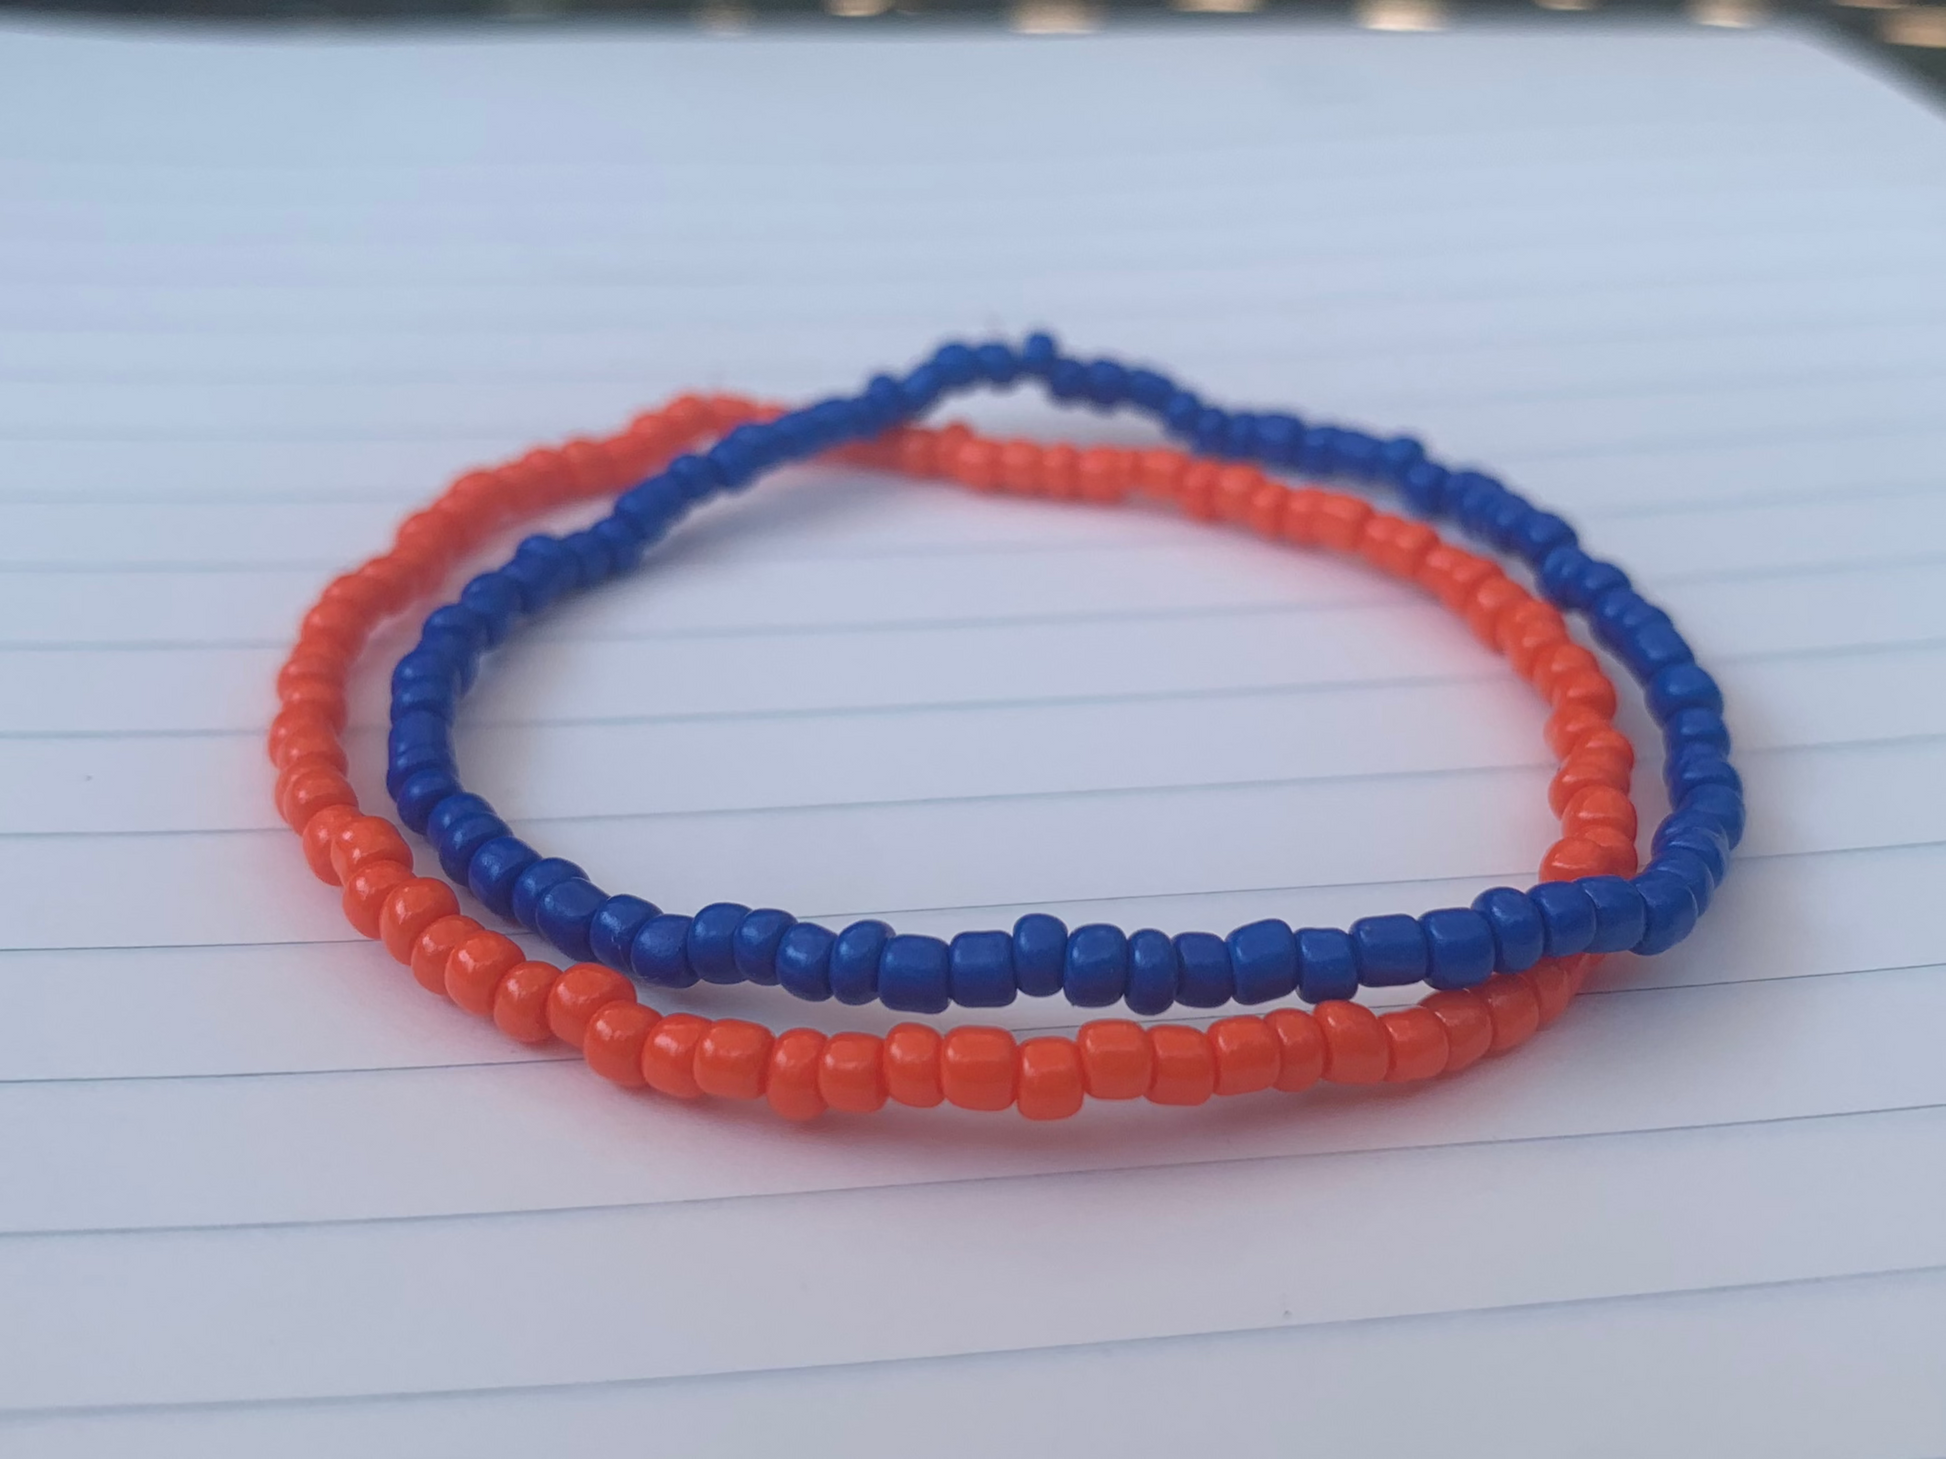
x=1908 y=34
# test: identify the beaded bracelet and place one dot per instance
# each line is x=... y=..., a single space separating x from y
x=1504 y=930
x=1097 y=965
x=800 y=1072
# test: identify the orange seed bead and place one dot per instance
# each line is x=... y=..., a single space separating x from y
x=1584 y=686
x=409 y=910
x=1572 y=858
x=475 y=967
x=1515 y=1011
x=317 y=834
x=1300 y=1048
x=304 y=790
x=669 y=1055
x=613 y=1043
x=1469 y=1028
x=1338 y=520
x=1355 y=1050
x=1050 y=1079
x=1117 y=1061
x=912 y=1066
x=435 y=945
x=976 y=1068
x=1617 y=848
x=520 y=1002
x=1599 y=805
x=363 y=840
x=365 y=892
x=1488 y=603
x=791 y=1082
x=851 y=1075
x=1416 y=1044
x=582 y=991
x=1555 y=983
x=1247 y=1054
x=733 y=1059
x=1581 y=770
x=1185 y=1065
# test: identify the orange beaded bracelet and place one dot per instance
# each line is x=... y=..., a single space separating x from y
x=802 y=1072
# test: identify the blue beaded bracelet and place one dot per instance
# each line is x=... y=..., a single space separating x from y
x=1505 y=930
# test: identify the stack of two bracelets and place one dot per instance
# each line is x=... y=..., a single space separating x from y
x=1497 y=970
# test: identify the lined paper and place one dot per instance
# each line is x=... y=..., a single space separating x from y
x=258 y=295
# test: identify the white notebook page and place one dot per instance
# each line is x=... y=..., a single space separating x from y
x=258 y=295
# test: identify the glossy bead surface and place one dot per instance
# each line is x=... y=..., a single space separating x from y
x=976 y=1068
x=1050 y=1079
x=912 y=1066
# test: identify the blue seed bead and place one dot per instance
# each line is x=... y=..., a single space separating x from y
x=534 y=883
x=1038 y=351
x=884 y=404
x=1669 y=911
x=1040 y=954
x=998 y=363
x=1424 y=488
x=649 y=510
x=1694 y=766
x=660 y=953
x=981 y=970
x=1567 y=917
x=462 y=842
x=421 y=794
x=1391 y=950
x=694 y=476
x=451 y=811
x=1068 y=380
x=1683 y=686
x=1620 y=915
x=914 y=974
x=1180 y=415
x=611 y=932
x=1694 y=828
x=1240 y=438
x=411 y=760
x=753 y=947
x=1318 y=456
x=1653 y=647
x=593 y=565
x=1096 y=974
x=1327 y=965
x=541 y=571
x=957 y=365
x=1398 y=456
x=423 y=694
x=854 y=962
x=495 y=599
x=1357 y=455
x=425 y=662
x=565 y=916
x=417 y=727
x=1211 y=433
x=454 y=623
x=1689 y=869
x=1153 y=972
x=622 y=542
x=1204 y=977
x=1540 y=534
x=1709 y=847
x=1107 y=383
x=711 y=932
x=1149 y=390
x=804 y=961
x=1280 y=439
x=1459 y=947
x=1721 y=804
x=1263 y=960
x=1507 y=521
x=1696 y=726
x=495 y=867
x=1518 y=932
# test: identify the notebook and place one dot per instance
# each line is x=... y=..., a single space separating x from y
x=263 y=291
